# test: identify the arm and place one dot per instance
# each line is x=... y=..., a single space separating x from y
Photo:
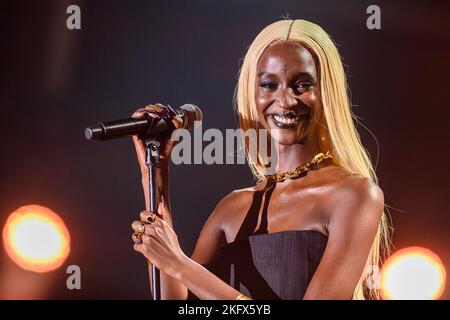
x=160 y=243
x=200 y=281
x=356 y=209
x=170 y=288
x=211 y=238
x=204 y=284
x=160 y=246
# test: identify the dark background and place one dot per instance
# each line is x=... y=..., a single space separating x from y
x=56 y=82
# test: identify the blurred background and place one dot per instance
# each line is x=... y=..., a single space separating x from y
x=55 y=82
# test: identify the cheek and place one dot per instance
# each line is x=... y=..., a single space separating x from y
x=310 y=99
x=262 y=101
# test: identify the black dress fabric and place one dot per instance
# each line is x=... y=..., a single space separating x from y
x=266 y=265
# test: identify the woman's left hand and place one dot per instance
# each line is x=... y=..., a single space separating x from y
x=156 y=240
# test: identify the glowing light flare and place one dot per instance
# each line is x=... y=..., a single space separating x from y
x=36 y=238
x=413 y=273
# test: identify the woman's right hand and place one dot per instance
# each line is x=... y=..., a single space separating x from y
x=157 y=111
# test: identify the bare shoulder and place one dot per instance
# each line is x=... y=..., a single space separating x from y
x=231 y=208
x=357 y=188
x=351 y=194
x=221 y=223
x=230 y=211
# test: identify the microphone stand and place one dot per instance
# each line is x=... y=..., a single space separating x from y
x=152 y=163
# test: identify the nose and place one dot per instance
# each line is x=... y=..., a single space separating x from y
x=286 y=98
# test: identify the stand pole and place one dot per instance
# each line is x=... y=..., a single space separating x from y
x=152 y=163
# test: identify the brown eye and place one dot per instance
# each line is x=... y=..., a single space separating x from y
x=268 y=85
x=304 y=86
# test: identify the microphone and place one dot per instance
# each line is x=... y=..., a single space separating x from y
x=149 y=127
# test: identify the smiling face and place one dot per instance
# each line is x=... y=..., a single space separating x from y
x=286 y=93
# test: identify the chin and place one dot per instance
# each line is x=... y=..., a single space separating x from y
x=289 y=136
x=286 y=138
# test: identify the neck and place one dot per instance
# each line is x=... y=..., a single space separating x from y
x=290 y=157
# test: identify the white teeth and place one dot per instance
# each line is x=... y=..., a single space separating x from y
x=284 y=120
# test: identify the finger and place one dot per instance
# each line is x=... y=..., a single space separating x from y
x=137 y=237
x=148 y=239
x=163 y=112
x=177 y=122
x=153 y=110
x=142 y=113
x=138 y=226
x=149 y=250
x=139 y=248
x=148 y=217
x=158 y=231
x=148 y=109
x=143 y=215
x=154 y=107
x=151 y=243
x=162 y=210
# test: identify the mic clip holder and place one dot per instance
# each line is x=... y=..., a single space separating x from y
x=152 y=152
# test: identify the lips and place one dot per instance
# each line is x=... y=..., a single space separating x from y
x=286 y=120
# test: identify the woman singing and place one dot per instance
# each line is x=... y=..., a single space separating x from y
x=316 y=227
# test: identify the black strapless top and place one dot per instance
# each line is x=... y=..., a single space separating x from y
x=266 y=265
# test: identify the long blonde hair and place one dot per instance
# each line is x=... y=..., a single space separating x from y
x=336 y=123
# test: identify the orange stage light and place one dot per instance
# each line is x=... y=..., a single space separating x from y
x=36 y=238
x=413 y=273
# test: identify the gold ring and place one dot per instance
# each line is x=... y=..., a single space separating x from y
x=137 y=237
x=153 y=107
x=140 y=228
x=151 y=218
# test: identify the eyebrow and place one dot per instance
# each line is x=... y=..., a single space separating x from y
x=304 y=74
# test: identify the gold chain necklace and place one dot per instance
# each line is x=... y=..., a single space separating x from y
x=318 y=158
